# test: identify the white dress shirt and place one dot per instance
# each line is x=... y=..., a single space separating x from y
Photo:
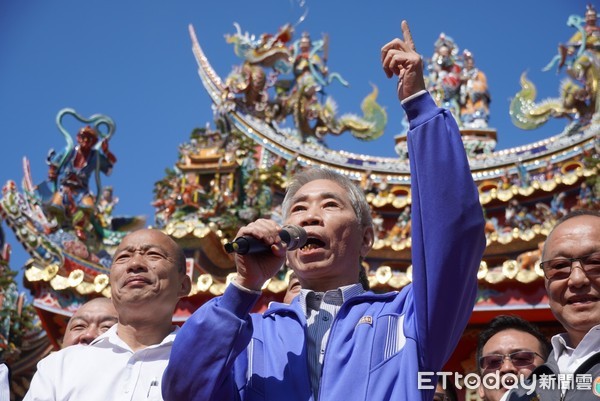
x=4 y=385
x=569 y=358
x=107 y=369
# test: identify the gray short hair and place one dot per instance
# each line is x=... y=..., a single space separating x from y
x=355 y=194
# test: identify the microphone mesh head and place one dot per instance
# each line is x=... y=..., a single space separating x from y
x=293 y=236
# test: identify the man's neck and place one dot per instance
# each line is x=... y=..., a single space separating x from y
x=142 y=335
x=324 y=285
x=574 y=339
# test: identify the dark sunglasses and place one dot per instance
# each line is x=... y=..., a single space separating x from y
x=519 y=359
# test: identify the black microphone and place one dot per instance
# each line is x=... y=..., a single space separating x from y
x=293 y=236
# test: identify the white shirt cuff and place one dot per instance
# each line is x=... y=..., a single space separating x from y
x=414 y=95
x=242 y=288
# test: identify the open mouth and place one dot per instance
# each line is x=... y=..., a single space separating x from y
x=581 y=300
x=312 y=243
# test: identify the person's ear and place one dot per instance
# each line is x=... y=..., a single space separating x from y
x=481 y=392
x=186 y=286
x=367 y=240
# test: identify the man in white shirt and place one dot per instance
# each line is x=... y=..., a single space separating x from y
x=571 y=264
x=127 y=362
x=4 y=383
x=92 y=318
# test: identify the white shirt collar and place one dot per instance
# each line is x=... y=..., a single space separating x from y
x=111 y=336
x=569 y=358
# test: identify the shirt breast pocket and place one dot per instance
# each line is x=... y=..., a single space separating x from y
x=154 y=393
x=389 y=338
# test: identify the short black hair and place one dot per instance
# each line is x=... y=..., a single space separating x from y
x=450 y=389
x=511 y=322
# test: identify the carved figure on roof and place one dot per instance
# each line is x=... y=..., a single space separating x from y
x=309 y=68
x=523 y=177
x=401 y=229
x=549 y=171
x=557 y=205
x=251 y=79
x=267 y=61
x=257 y=200
x=527 y=260
x=504 y=181
x=543 y=212
x=66 y=193
x=378 y=225
x=314 y=118
x=585 y=197
x=444 y=75
x=16 y=316
x=491 y=226
x=519 y=216
x=203 y=138
x=578 y=101
x=270 y=51
x=178 y=195
x=474 y=95
x=106 y=204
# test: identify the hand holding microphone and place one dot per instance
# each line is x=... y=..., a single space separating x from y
x=293 y=236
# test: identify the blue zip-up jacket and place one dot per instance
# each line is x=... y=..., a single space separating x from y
x=378 y=342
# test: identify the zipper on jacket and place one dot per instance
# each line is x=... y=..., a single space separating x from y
x=333 y=326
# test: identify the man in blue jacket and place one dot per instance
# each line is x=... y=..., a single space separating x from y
x=337 y=341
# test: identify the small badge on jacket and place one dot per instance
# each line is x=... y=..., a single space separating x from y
x=366 y=320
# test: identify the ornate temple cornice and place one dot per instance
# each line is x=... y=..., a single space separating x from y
x=396 y=170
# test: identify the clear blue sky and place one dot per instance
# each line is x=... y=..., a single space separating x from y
x=132 y=60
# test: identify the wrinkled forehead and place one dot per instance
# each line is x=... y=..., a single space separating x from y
x=94 y=311
x=145 y=239
x=321 y=189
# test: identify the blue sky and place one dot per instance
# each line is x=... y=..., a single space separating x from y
x=132 y=61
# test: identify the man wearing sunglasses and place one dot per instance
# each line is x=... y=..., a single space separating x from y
x=571 y=264
x=507 y=349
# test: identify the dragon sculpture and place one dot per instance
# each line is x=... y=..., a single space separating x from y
x=578 y=99
x=279 y=79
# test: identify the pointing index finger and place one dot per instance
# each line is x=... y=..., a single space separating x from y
x=407 y=35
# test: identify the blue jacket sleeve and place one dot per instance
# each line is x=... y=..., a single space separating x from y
x=447 y=231
x=201 y=365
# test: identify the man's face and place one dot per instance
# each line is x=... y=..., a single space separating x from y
x=336 y=239
x=86 y=140
x=575 y=300
x=145 y=272
x=506 y=342
x=441 y=394
x=89 y=321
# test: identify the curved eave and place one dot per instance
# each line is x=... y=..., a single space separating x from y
x=393 y=170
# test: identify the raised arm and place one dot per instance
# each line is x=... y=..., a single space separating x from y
x=447 y=219
x=399 y=58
